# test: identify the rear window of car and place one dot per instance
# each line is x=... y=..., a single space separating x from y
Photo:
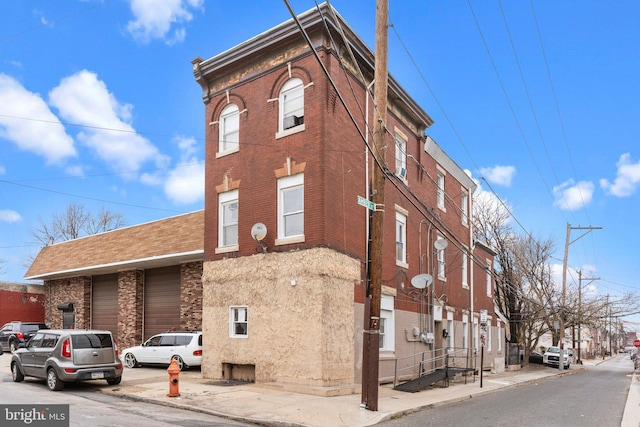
x=91 y=341
x=30 y=327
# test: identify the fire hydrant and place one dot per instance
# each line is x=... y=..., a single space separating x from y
x=174 y=379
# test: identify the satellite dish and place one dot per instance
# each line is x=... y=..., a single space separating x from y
x=421 y=281
x=440 y=244
x=258 y=231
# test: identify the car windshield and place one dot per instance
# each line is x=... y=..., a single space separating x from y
x=553 y=350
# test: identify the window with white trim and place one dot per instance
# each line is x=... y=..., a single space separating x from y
x=387 y=325
x=291 y=105
x=488 y=277
x=464 y=207
x=451 y=342
x=229 y=129
x=401 y=156
x=465 y=273
x=440 y=255
x=401 y=238
x=499 y=335
x=239 y=322
x=291 y=206
x=440 y=193
x=465 y=331
x=476 y=334
x=228 y=219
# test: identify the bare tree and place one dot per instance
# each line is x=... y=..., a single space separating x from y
x=75 y=222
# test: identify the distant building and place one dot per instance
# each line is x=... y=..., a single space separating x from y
x=22 y=302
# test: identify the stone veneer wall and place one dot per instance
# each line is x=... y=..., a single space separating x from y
x=191 y=296
x=300 y=332
x=76 y=290
x=130 y=307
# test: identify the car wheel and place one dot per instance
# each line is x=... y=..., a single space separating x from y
x=13 y=346
x=179 y=362
x=16 y=373
x=130 y=360
x=114 y=381
x=53 y=382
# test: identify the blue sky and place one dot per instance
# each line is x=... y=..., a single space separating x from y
x=98 y=106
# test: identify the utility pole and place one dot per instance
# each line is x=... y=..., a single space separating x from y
x=580 y=279
x=371 y=338
x=564 y=285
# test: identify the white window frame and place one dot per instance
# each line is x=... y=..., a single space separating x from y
x=499 y=335
x=401 y=237
x=464 y=206
x=476 y=334
x=285 y=185
x=465 y=269
x=229 y=130
x=292 y=90
x=465 y=331
x=225 y=199
x=440 y=191
x=387 y=318
x=441 y=262
x=401 y=155
x=488 y=278
x=238 y=315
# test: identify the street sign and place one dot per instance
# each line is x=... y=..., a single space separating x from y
x=366 y=203
x=636 y=343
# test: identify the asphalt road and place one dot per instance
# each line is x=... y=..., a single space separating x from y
x=594 y=397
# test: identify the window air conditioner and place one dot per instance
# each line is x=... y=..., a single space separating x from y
x=292 y=121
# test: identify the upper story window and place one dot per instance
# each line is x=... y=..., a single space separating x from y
x=401 y=238
x=440 y=190
x=440 y=256
x=229 y=128
x=464 y=207
x=291 y=104
x=228 y=219
x=291 y=206
x=401 y=155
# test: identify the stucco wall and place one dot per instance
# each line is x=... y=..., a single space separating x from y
x=299 y=334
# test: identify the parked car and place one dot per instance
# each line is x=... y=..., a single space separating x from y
x=185 y=347
x=14 y=334
x=551 y=357
x=536 y=357
x=68 y=355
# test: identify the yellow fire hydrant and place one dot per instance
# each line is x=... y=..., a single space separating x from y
x=174 y=379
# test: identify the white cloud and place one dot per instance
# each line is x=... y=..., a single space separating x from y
x=7 y=215
x=185 y=183
x=43 y=135
x=570 y=196
x=627 y=178
x=154 y=19
x=85 y=100
x=501 y=175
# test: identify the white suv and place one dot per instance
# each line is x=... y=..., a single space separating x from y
x=551 y=357
x=185 y=347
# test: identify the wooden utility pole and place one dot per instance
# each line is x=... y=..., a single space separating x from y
x=371 y=338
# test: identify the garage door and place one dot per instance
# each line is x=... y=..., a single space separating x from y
x=104 y=304
x=161 y=300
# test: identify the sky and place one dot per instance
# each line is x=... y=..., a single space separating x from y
x=537 y=100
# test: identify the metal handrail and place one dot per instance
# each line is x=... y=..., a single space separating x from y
x=427 y=365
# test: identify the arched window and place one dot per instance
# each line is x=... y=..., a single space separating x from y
x=229 y=129
x=291 y=104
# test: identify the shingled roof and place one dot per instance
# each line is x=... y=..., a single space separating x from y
x=160 y=243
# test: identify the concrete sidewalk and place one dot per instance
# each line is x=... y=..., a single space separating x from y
x=273 y=404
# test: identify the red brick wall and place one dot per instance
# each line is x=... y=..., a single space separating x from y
x=22 y=306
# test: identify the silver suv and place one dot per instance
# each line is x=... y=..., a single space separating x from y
x=67 y=355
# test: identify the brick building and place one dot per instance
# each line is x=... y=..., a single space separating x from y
x=134 y=281
x=285 y=247
x=22 y=302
